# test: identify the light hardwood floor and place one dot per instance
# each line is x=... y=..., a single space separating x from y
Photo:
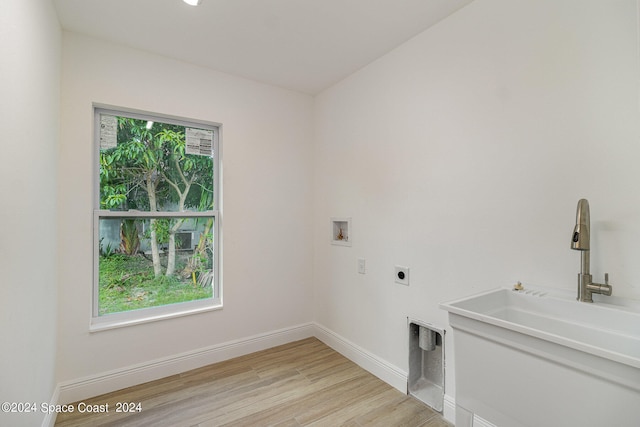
x=304 y=383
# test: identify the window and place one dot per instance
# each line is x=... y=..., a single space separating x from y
x=156 y=218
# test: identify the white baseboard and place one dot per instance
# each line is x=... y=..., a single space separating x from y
x=106 y=382
x=382 y=369
x=481 y=422
x=50 y=418
x=449 y=409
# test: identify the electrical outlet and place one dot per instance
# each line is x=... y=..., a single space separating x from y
x=362 y=266
x=402 y=275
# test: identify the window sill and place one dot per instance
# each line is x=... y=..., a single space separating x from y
x=122 y=320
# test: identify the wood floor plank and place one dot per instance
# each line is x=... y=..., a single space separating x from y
x=304 y=399
x=303 y=383
x=367 y=388
x=347 y=415
x=407 y=412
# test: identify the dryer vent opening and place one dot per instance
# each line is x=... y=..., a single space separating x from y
x=426 y=364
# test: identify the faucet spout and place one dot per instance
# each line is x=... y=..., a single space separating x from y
x=582 y=231
x=581 y=241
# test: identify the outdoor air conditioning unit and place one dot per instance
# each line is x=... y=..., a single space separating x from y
x=185 y=240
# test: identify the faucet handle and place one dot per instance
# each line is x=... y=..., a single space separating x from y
x=607 y=289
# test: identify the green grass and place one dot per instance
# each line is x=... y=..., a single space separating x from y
x=128 y=283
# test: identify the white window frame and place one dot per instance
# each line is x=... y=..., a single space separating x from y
x=145 y=315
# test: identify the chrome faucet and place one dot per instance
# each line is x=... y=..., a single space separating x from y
x=581 y=241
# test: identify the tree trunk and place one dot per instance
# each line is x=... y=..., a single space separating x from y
x=155 y=252
x=171 y=260
x=171 y=257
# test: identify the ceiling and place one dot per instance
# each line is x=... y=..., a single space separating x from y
x=302 y=45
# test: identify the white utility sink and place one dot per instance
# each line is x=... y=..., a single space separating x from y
x=605 y=330
x=539 y=357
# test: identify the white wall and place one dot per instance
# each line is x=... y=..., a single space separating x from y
x=462 y=154
x=267 y=203
x=30 y=88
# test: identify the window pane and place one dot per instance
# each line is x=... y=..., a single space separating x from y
x=155 y=166
x=134 y=272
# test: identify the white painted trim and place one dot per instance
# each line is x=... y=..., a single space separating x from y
x=480 y=422
x=153 y=314
x=106 y=382
x=382 y=369
x=94 y=385
x=50 y=418
x=449 y=409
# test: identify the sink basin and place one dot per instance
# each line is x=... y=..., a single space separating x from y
x=539 y=357
x=606 y=330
